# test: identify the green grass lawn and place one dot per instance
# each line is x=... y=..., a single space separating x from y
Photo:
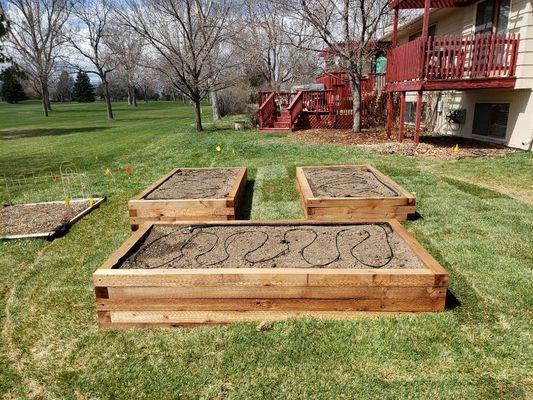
x=473 y=222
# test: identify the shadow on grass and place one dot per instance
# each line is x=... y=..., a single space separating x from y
x=414 y=217
x=27 y=133
x=452 y=302
x=245 y=209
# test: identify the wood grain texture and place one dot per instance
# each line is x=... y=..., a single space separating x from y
x=355 y=208
x=143 y=211
x=201 y=296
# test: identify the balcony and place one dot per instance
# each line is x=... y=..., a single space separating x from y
x=453 y=63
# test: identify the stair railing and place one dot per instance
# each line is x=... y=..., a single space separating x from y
x=295 y=108
x=267 y=110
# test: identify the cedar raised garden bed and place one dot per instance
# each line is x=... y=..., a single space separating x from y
x=45 y=219
x=192 y=194
x=351 y=192
x=190 y=273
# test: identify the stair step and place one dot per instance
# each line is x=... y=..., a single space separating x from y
x=276 y=129
x=285 y=125
x=283 y=119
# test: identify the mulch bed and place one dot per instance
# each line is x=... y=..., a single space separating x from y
x=435 y=146
x=373 y=245
x=213 y=183
x=346 y=182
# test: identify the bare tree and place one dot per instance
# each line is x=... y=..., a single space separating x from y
x=127 y=48
x=186 y=37
x=90 y=28
x=3 y=30
x=35 y=35
x=348 y=29
x=269 y=53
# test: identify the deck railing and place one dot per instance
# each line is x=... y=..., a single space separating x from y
x=454 y=57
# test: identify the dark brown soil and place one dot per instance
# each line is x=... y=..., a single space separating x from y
x=38 y=218
x=215 y=183
x=346 y=182
x=431 y=145
x=279 y=246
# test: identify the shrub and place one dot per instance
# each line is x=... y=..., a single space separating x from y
x=232 y=101
x=251 y=115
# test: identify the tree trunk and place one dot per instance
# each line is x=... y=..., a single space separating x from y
x=355 y=87
x=47 y=97
x=107 y=99
x=198 y=115
x=129 y=95
x=215 y=106
x=44 y=94
x=133 y=96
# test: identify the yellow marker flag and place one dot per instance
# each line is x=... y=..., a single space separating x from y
x=218 y=148
x=91 y=202
x=456 y=148
x=67 y=200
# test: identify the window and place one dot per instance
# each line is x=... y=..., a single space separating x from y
x=503 y=15
x=410 y=112
x=431 y=33
x=486 y=18
x=490 y=120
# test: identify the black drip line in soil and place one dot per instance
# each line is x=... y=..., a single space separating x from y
x=266 y=237
x=342 y=180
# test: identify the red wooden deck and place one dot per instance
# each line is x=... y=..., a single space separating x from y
x=453 y=63
x=331 y=108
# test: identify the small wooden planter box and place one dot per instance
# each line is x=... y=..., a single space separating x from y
x=163 y=296
x=354 y=208
x=61 y=229
x=142 y=210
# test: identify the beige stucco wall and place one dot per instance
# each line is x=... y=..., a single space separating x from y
x=519 y=124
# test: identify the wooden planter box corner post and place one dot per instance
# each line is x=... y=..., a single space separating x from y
x=162 y=296
x=143 y=210
x=328 y=208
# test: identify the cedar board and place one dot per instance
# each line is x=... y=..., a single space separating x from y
x=354 y=208
x=214 y=296
x=142 y=211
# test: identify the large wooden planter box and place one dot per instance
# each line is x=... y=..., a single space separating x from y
x=398 y=204
x=144 y=210
x=186 y=295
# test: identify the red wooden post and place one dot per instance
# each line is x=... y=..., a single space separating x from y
x=395 y=27
x=425 y=24
x=390 y=115
x=402 y=116
x=418 y=116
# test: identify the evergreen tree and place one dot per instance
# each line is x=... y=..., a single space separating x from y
x=12 y=91
x=83 y=91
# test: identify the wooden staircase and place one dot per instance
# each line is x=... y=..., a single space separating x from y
x=280 y=121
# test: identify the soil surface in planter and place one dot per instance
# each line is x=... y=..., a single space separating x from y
x=346 y=182
x=38 y=218
x=196 y=184
x=273 y=246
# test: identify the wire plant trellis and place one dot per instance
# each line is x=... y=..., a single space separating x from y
x=67 y=180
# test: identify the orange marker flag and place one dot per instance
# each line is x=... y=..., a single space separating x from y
x=128 y=171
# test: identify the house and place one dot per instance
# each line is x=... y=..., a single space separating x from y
x=466 y=68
